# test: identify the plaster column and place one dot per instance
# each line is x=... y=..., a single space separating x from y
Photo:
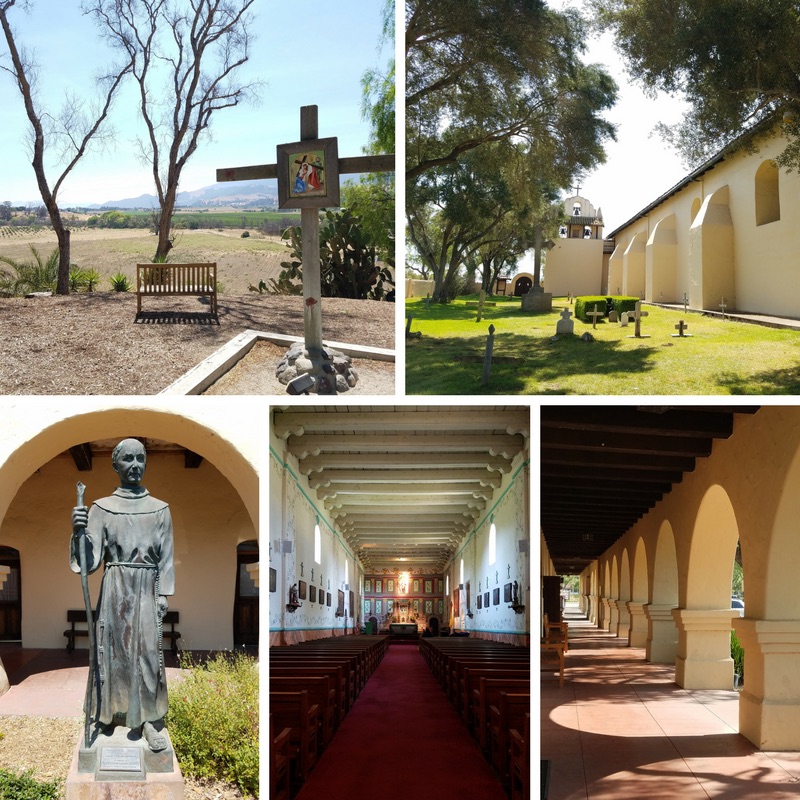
x=769 y=705
x=613 y=616
x=591 y=609
x=623 y=628
x=605 y=617
x=662 y=634
x=704 y=648
x=637 y=636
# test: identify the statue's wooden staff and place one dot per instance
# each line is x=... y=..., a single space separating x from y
x=87 y=701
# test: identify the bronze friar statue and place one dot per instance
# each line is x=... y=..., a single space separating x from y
x=130 y=534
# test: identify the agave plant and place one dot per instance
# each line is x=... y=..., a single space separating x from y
x=35 y=275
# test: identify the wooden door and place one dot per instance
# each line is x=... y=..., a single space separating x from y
x=245 y=608
x=11 y=597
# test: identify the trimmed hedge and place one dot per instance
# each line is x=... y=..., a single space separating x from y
x=604 y=304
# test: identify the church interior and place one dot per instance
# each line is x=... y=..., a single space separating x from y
x=399 y=600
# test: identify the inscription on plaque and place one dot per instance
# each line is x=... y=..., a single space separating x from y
x=121 y=759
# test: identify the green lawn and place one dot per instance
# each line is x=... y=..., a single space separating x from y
x=721 y=357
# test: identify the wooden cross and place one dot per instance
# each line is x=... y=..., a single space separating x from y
x=594 y=315
x=723 y=306
x=685 y=302
x=637 y=315
x=681 y=327
x=309 y=225
x=301 y=569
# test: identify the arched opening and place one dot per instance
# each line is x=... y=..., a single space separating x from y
x=662 y=634
x=639 y=591
x=522 y=286
x=767 y=193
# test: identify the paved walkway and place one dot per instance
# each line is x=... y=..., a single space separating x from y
x=753 y=319
x=621 y=728
x=48 y=683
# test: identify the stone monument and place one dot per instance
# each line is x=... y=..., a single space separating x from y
x=129 y=535
x=537 y=300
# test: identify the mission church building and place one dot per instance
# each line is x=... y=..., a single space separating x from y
x=393 y=528
x=726 y=230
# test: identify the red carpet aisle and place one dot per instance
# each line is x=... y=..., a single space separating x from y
x=402 y=740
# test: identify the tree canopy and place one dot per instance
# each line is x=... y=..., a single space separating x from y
x=736 y=61
x=500 y=112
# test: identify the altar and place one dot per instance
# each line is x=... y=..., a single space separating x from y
x=403 y=628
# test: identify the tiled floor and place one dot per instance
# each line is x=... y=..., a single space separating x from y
x=622 y=728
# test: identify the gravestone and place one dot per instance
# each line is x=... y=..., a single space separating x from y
x=637 y=316
x=565 y=324
x=612 y=315
x=722 y=307
x=594 y=315
x=681 y=328
x=537 y=300
x=623 y=320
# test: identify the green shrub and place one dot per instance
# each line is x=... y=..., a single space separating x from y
x=737 y=654
x=584 y=304
x=120 y=282
x=38 y=275
x=624 y=304
x=213 y=720
x=24 y=787
x=245 y=234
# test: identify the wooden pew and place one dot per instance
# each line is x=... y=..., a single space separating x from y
x=320 y=693
x=298 y=662
x=520 y=766
x=519 y=661
x=487 y=694
x=332 y=673
x=507 y=715
x=293 y=710
x=278 y=762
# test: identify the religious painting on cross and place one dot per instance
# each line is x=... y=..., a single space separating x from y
x=308 y=174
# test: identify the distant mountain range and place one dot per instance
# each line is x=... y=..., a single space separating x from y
x=239 y=194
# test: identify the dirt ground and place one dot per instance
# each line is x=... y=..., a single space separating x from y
x=91 y=343
x=44 y=746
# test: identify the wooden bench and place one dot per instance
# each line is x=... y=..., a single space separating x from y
x=177 y=280
x=520 y=767
x=78 y=616
x=487 y=694
x=279 y=763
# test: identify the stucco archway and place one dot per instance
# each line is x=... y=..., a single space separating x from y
x=633 y=267
x=704 y=624
x=216 y=503
x=639 y=594
x=662 y=635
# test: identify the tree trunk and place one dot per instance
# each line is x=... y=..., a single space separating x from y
x=164 y=225
x=537 y=255
x=62 y=235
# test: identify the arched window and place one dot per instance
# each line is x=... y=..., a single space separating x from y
x=492 y=545
x=317 y=545
x=461 y=573
x=767 y=194
x=576 y=210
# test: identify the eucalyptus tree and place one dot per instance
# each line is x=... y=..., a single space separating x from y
x=184 y=56
x=737 y=62
x=58 y=138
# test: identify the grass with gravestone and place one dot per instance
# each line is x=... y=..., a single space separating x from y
x=720 y=357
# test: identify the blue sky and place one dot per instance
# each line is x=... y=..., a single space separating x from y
x=306 y=52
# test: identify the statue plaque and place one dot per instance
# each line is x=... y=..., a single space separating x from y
x=121 y=759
